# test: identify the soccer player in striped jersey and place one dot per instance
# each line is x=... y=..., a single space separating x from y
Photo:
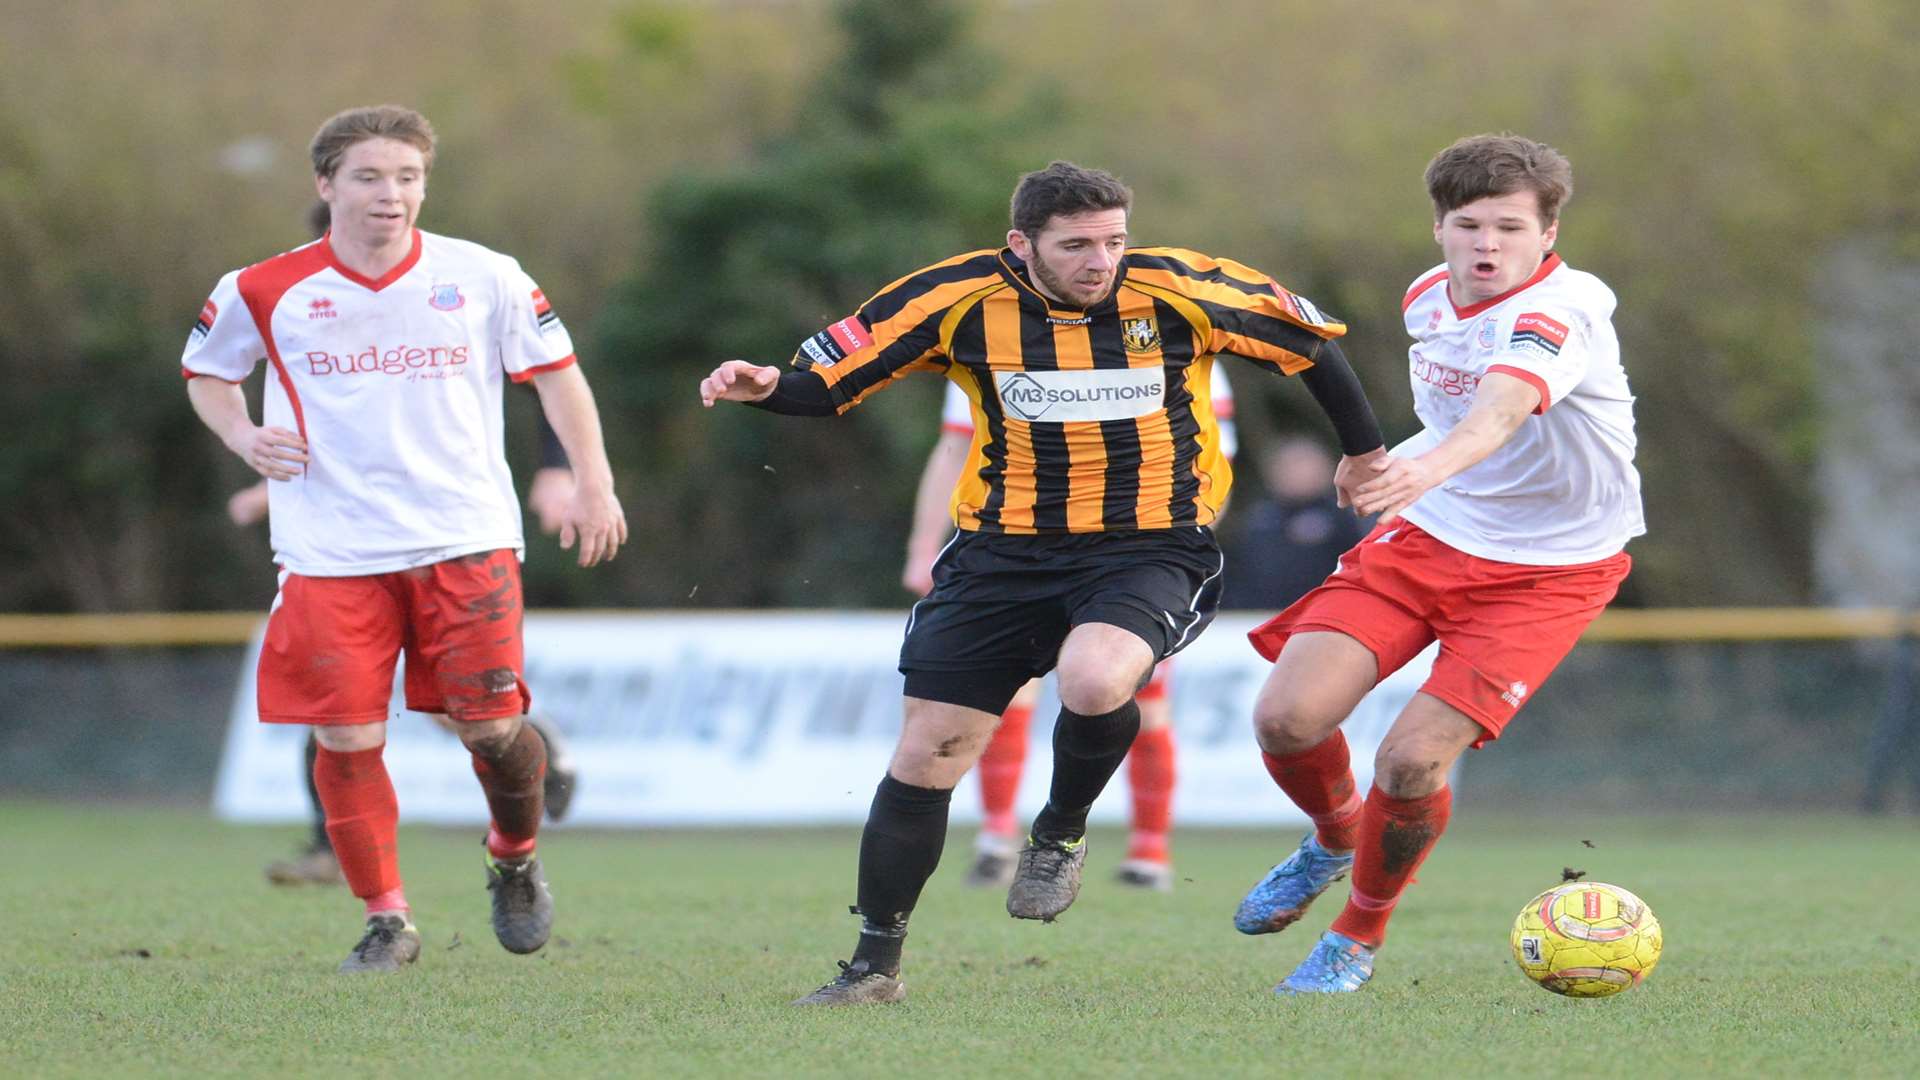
x=392 y=510
x=1083 y=542
x=1151 y=761
x=1502 y=531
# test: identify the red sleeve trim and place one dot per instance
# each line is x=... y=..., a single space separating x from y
x=957 y=429
x=522 y=376
x=188 y=373
x=1528 y=377
x=1421 y=286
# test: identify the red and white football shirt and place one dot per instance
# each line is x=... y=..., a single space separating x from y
x=396 y=385
x=1563 y=489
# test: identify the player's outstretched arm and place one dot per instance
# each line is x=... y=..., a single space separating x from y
x=593 y=516
x=273 y=452
x=249 y=504
x=737 y=380
x=931 y=521
x=1500 y=405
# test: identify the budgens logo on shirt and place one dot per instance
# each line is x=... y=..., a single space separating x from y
x=394 y=360
x=1062 y=396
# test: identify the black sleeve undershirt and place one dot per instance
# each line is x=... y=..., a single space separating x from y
x=1334 y=385
x=552 y=454
x=799 y=393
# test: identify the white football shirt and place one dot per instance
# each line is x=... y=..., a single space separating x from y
x=1563 y=489
x=956 y=411
x=396 y=385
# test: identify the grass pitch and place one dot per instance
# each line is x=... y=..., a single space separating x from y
x=145 y=942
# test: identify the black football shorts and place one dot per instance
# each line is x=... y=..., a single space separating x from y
x=1002 y=605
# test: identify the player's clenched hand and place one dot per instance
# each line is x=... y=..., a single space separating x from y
x=274 y=453
x=1354 y=470
x=550 y=496
x=595 y=518
x=1399 y=483
x=737 y=380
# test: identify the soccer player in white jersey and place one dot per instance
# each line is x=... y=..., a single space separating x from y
x=1502 y=531
x=1151 y=767
x=393 y=514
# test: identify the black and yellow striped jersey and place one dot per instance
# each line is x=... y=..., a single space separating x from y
x=1084 y=420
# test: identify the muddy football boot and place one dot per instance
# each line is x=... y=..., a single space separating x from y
x=1284 y=894
x=1337 y=965
x=1145 y=874
x=389 y=944
x=1047 y=879
x=522 y=903
x=993 y=861
x=858 y=985
x=314 y=866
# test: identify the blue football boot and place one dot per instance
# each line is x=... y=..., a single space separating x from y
x=1284 y=894
x=1337 y=965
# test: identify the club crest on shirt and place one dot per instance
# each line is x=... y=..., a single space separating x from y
x=1488 y=334
x=1140 y=335
x=446 y=298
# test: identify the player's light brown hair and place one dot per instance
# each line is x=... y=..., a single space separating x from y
x=343 y=129
x=1480 y=166
x=1065 y=188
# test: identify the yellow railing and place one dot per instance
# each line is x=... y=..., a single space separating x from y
x=1624 y=624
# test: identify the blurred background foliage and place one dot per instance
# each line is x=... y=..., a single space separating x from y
x=692 y=181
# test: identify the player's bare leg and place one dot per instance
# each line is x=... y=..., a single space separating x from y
x=510 y=760
x=1100 y=667
x=1316 y=682
x=901 y=844
x=363 y=819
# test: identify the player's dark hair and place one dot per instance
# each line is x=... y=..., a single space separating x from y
x=1065 y=188
x=343 y=129
x=1480 y=166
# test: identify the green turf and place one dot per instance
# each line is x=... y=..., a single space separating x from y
x=144 y=941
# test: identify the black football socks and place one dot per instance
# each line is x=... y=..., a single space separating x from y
x=899 y=850
x=1087 y=751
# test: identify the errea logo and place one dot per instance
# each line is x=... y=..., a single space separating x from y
x=1515 y=694
x=322 y=309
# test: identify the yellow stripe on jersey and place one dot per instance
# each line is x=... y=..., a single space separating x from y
x=1066 y=436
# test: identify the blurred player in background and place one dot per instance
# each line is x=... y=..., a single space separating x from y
x=1502 y=531
x=392 y=510
x=1150 y=763
x=547 y=496
x=1084 y=544
x=1287 y=541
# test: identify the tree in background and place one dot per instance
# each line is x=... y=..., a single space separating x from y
x=905 y=151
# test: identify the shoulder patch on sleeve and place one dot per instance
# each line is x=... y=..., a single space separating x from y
x=1300 y=307
x=834 y=344
x=1540 y=332
x=204 y=325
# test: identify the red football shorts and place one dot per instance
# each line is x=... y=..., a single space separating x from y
x=331 y=643
x=1502 y=627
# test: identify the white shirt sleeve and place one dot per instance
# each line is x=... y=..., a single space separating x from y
x=1547 y=346
x=1222 y=394
x=224 y=342
x=533 y=340
x=956 y=412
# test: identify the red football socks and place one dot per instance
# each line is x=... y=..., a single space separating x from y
x=1000 y=767
x=1320 y=782
x=1150 y=778
x=512 y=780
x=1395 y=837
x=363 y=821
